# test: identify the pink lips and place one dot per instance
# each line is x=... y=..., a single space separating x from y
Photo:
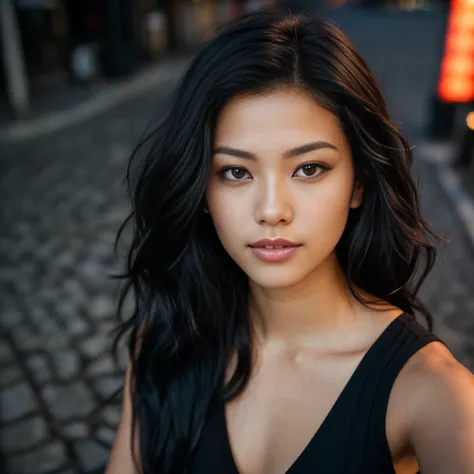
x=274 y=250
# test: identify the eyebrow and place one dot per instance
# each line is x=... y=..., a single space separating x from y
x=292 y=153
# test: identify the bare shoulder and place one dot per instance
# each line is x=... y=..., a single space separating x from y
x=437 y=396
x=434 y=371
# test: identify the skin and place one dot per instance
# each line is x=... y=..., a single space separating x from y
x=308 y=329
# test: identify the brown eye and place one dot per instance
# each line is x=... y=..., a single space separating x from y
x=233 y=173
x=309 y=170
x=238 y=173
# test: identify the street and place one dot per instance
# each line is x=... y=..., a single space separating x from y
x=63 y=200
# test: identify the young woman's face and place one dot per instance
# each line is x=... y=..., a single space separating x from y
x=281 y=169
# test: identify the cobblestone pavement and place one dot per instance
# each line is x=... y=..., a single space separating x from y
x=62 y=202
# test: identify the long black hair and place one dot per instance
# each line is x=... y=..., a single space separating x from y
x=190 y=313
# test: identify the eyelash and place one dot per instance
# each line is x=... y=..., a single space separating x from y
x=322 y=167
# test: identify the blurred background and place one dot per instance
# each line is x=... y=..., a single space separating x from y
x=81 y=80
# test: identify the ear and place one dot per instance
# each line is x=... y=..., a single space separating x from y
x=357 y=194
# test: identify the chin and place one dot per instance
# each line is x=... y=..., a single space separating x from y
x=275 y=278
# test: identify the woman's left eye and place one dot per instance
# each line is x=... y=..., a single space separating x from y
x=309 y=170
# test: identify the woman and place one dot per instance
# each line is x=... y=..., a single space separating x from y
x=277 y=253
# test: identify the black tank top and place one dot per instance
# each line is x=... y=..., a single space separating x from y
x=352 y=438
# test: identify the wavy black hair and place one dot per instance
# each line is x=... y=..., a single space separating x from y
x=190 y=297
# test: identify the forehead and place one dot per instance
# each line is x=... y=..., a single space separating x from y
x=283 y=118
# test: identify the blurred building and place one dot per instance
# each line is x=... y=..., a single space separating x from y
x=80 y=40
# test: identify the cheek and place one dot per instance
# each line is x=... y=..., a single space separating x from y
x=328 y=203
x=325 y=208
x=227 y=212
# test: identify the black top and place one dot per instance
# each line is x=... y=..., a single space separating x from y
x=352 y=438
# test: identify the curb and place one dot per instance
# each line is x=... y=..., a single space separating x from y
x=440 y=156
x=164 y=72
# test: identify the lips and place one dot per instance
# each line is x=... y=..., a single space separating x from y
x=274 y=250
x=274 y=243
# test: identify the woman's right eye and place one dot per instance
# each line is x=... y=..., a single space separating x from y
x=233 y=173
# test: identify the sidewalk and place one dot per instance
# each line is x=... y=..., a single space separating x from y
x=455 y=183
x=63 y=200
x=67 y=104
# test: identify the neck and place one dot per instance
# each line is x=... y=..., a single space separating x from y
x=318 y=305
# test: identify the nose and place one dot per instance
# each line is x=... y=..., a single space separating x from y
x=274 y=204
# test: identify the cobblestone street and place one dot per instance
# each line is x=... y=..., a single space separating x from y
x=62 y=203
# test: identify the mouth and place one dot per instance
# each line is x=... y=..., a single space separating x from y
x=274 y=244
x=274 y=250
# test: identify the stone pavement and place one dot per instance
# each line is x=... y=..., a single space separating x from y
x=62 y=202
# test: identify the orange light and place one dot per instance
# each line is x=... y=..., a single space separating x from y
x=461 y=66
x=456 y=89
x=464 y=20
x=456 y=83
x=458 y=42
x=470 y=120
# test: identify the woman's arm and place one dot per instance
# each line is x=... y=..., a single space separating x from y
x=121 y=461
x=441 y=402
